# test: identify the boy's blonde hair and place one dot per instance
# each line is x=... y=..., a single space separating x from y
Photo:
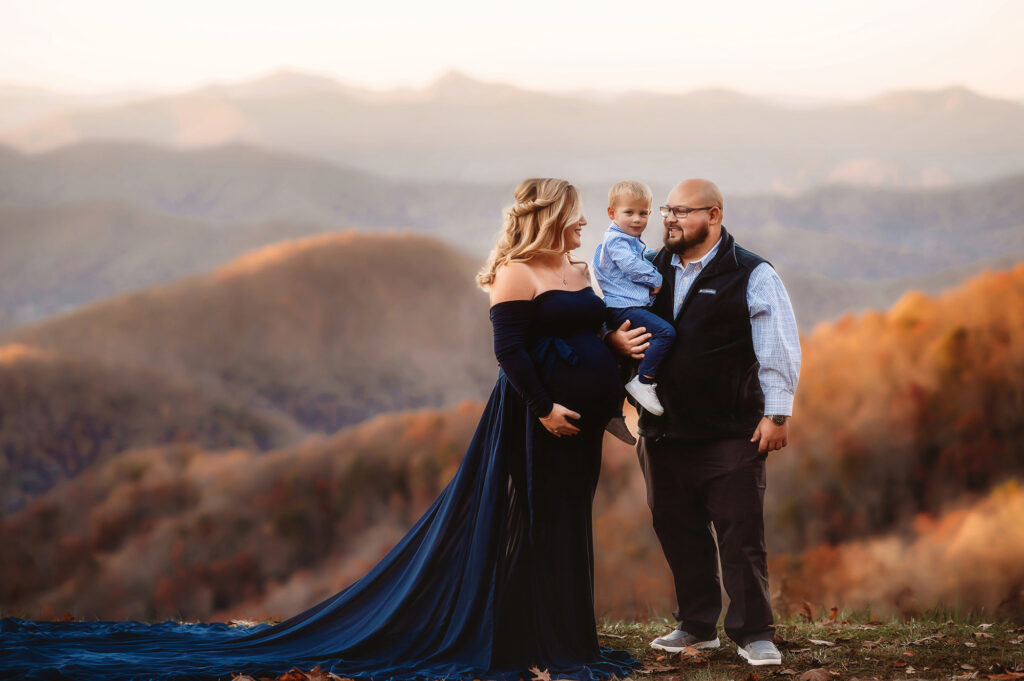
x=630 y=188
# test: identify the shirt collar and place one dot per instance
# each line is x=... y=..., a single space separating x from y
x=624 y=233
x=703 y=262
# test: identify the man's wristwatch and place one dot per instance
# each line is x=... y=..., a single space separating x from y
x=777 y=419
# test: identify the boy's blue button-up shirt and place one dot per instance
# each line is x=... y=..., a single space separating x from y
x=625 y=278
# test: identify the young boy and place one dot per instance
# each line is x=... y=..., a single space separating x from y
x=629 y=283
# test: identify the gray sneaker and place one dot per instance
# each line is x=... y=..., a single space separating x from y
x=760 y=653
x=678 y=639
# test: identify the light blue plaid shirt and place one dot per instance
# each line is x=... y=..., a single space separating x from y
x=772 y=325
x=625 y=278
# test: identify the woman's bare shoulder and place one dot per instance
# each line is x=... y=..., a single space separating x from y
x=582 y=269
x=513 y=281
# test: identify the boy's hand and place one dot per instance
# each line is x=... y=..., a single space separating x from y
x=655 y=290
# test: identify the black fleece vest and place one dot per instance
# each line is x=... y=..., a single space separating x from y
x=708 y=382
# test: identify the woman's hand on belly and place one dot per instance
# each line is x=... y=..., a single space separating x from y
x=557 y=422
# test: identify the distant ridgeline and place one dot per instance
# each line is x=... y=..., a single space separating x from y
x=897 y=492
x=97 y=219
x=298 y=338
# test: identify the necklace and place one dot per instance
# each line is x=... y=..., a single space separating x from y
x=564 y=281
x=559 y=272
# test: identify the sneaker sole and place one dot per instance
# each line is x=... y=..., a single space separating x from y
x=645 y=404
x=757 y=663
x=702 y=645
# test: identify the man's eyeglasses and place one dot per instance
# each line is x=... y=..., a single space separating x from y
x=681 y=211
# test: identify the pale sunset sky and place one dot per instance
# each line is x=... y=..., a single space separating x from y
x=800 y=48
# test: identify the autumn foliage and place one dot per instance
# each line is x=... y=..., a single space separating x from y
x=903 y=412
x=897 y=492
x=304 y=336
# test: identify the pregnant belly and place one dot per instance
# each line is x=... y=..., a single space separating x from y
x=592 y=386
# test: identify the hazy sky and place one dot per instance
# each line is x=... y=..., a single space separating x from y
x=813 y=48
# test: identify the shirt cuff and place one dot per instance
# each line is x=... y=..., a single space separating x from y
x=778 y=402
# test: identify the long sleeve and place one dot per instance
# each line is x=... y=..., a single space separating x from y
x=776 y=339
x=510 y=321
x=631 y=262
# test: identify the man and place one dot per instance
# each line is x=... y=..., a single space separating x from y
x=727 y=387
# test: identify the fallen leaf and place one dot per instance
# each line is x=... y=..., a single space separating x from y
x=808 y=611
x=1017 y=641
x=787 y=672
x=834 y=612
x=1007 y=676
x=317 y=674
x=899 y=664
x=751 y=676
x=966 y=677
x=928 y=639
x=872 y=644
x=293 y=674
x=819 y=674
x=981 y=634
x=607 y=635
x=968 y=667
x=658 y=658
x=906 y=653
x=866 y=627
x=819 y=642
x=910 y=670
x=539 y=675
x=646 y=670
x=690 y=651
x=984 y=627
x=970 y=644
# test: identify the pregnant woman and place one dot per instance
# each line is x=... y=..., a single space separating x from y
x=498 y=575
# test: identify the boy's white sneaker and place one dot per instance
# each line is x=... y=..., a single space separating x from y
x=645 y=395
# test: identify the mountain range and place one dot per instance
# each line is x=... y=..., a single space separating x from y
x=300 y=337
x=102 y=218
x=460 y=129
x=897 y=492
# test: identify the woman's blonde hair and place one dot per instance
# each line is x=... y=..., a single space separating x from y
x=534 y=225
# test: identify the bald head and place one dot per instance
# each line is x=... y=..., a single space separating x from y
x=696 y=193
x=701 y=202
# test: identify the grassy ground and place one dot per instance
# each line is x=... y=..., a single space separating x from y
x=834 y=648
x=842 y=647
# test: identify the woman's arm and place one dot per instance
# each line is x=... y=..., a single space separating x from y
x=511 y=316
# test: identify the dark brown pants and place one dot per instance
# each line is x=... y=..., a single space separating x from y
x=690 y=487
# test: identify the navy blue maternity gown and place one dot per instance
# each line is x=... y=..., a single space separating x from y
x=497 y=575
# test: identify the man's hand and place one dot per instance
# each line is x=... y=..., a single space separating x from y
x=769 y=436
x=629 y=342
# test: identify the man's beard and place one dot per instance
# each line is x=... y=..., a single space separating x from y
x=684 y=244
